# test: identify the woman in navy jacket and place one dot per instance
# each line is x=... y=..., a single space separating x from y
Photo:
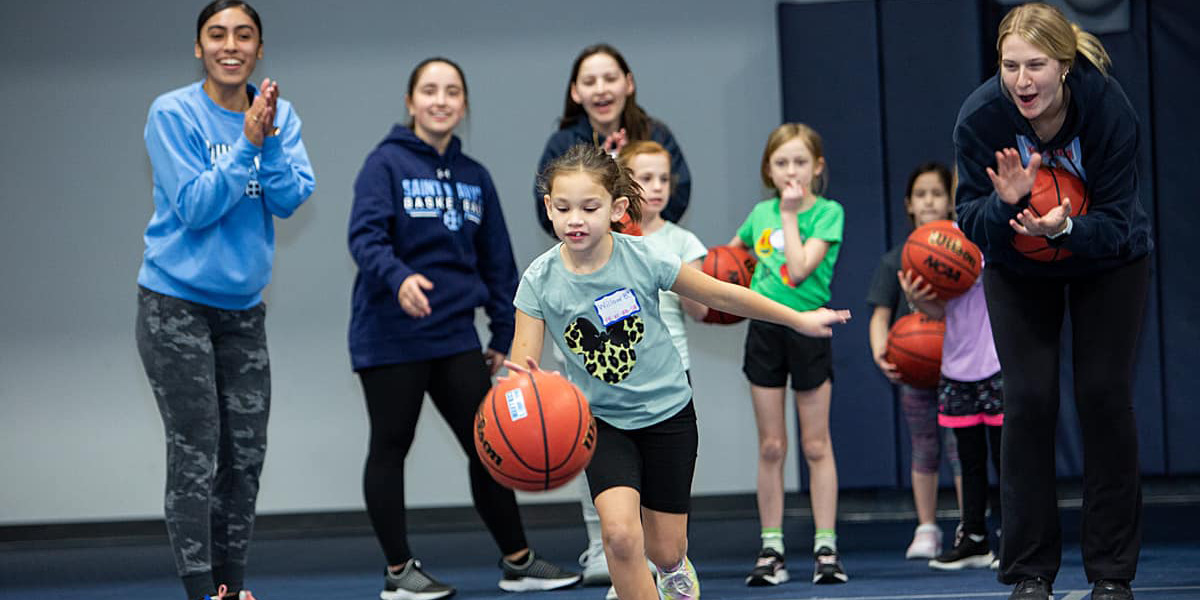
x=428 y=235
x=1054 y=104
x=601 y=108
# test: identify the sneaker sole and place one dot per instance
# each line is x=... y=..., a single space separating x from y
x=407 y=595
x=596 y=578
x=921 y=555
x=828 y=578
x=982 y=561
x=533 y=584
x=780 y=576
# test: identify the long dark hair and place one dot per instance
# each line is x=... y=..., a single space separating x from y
x=617 y=180
x=633 y=118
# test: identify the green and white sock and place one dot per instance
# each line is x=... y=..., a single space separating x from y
x=772 y=537
x=826 y=538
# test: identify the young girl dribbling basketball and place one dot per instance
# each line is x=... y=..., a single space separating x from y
x=597 y=292
x=795 y=237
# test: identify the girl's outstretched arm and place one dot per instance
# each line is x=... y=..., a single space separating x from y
x=735 y=299
x=694 y=309
x=527 y=341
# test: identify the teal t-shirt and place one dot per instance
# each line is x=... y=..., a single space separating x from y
x=607 y=324
x=673 y=239
x=763 y=232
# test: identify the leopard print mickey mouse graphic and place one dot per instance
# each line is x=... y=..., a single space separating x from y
x=608 y=355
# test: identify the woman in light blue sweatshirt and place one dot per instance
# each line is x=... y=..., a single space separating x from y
x=227 y=160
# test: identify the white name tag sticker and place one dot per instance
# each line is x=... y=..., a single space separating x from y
x=614 y=306
x=516 y=404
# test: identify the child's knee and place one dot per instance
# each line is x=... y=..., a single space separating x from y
x=624 y=541
x=817 y=448
x=772 y=450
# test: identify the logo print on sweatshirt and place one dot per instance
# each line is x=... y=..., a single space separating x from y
x=452 y=219
x=1069 y=157
x=451 y=201
x=215 y=151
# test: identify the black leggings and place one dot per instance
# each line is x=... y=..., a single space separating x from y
x=1106 y=318
x=394 y=394
x=211 y=376
x=973 y=456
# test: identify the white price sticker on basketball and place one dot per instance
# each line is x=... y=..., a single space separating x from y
x=516 y=404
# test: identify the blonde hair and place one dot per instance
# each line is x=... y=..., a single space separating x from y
x=614 y=177
x=784 y=134
x=1048 y=29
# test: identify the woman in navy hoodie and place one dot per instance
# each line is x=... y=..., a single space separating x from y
x=1053 y=103
x=431 y=246
x=601 y=108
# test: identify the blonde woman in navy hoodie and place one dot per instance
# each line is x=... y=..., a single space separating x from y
x=429 y=238
x=1054 y=103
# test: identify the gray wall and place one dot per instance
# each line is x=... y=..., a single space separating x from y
x=80 y=437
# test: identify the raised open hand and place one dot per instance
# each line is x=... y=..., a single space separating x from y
x=1011 y=180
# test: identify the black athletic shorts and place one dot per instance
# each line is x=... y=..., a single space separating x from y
x=774 y=351
x=658 y=461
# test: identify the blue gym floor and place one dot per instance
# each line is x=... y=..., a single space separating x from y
x=349 y=567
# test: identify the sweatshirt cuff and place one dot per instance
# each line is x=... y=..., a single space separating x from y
x=396 y=276
x=244 y=150
x=272 y=149
x=1000 y=211
x=501 y=339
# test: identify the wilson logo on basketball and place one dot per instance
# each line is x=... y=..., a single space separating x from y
x=480 y=428
x=943 y=257
x=938 y=238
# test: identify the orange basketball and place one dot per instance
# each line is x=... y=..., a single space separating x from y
x=914 y=345
x=1049 y=188
x=534 y=431
x=732 y=264
x=940 y=253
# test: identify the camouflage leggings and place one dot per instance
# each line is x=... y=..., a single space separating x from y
x=210 y=374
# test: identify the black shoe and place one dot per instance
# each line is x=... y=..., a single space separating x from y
x=828 y=567
x=535 y=575
x=966 y=554
x=413 y=583
x=768 y=569
x=1111 y=589
x=1032 y=589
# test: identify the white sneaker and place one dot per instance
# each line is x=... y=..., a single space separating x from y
x=595 y=564
x=926 y=542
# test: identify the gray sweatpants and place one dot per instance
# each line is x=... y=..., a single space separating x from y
x=211 y=377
